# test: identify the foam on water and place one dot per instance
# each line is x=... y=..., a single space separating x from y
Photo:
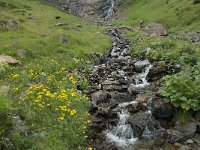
x=123 y=135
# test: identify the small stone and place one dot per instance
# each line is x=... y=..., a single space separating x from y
x=11 y=23
x=185 y=147
x=189 y=141
x=22 y=53
x=177 y=145
x=63 y=39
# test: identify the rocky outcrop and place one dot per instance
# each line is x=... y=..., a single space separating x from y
x=156 y=29
x=88 y=8
x=9 y=60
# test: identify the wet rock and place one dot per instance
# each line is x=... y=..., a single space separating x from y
x=181 y=133
x=133 y=108
x=122 y=97
x=99 y=97
x=140 y=65
x=22 y=53
x=132 y=89
x=156 y=29
x=139 y=121
x=9 y=60
x=161 y=109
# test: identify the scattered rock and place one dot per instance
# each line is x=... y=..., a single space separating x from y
x=156 y=29
x=9 y=60
x=63 y=39
x=11 y=23
x=189 y=141
x=185 y=147
x=61 y=24
x=99 y=97
x=22 y=53
x=79 y=26
x=181 y=133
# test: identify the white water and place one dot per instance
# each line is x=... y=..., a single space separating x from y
x=111 y=10
x=123 y=135
x=141 y=80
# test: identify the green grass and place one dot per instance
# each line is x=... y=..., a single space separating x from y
x=41 y=39
x=47 y=63
x=175 y=14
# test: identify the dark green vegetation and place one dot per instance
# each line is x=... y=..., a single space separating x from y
x=50 y=113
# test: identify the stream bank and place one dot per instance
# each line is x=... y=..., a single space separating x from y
x=127 y=111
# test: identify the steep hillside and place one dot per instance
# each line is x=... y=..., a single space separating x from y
x=175 y=14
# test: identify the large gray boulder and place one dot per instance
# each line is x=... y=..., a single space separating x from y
x=181 y=133
x=156 y=29
x=139 y=121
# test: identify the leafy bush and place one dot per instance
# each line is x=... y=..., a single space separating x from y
x=196 y=1
x=182 y=89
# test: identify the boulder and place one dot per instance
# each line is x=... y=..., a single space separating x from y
x=156 y=29
x=9 y=60
x=139 y=121
x=181 y=133
x=140 y=65
x=161 y=109
x=122 y=97
x=100 y=96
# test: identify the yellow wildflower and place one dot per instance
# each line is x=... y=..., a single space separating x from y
x=62 y=117
x=14 y=76
x=89 y=148
x=73 y=112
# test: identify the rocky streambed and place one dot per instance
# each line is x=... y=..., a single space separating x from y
x=127 y=111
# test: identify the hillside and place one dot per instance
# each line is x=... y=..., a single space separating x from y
x=174 y=14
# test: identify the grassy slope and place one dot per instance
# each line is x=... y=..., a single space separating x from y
x=42 y=106
x=40 y=38
x=176 y=14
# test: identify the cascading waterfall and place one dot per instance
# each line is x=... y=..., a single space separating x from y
x=123 y=135
x=111 y=10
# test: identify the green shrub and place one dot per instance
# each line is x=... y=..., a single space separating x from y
x=182 y=89
x=196 y=1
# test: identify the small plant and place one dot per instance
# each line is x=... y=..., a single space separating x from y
x=182 y=89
